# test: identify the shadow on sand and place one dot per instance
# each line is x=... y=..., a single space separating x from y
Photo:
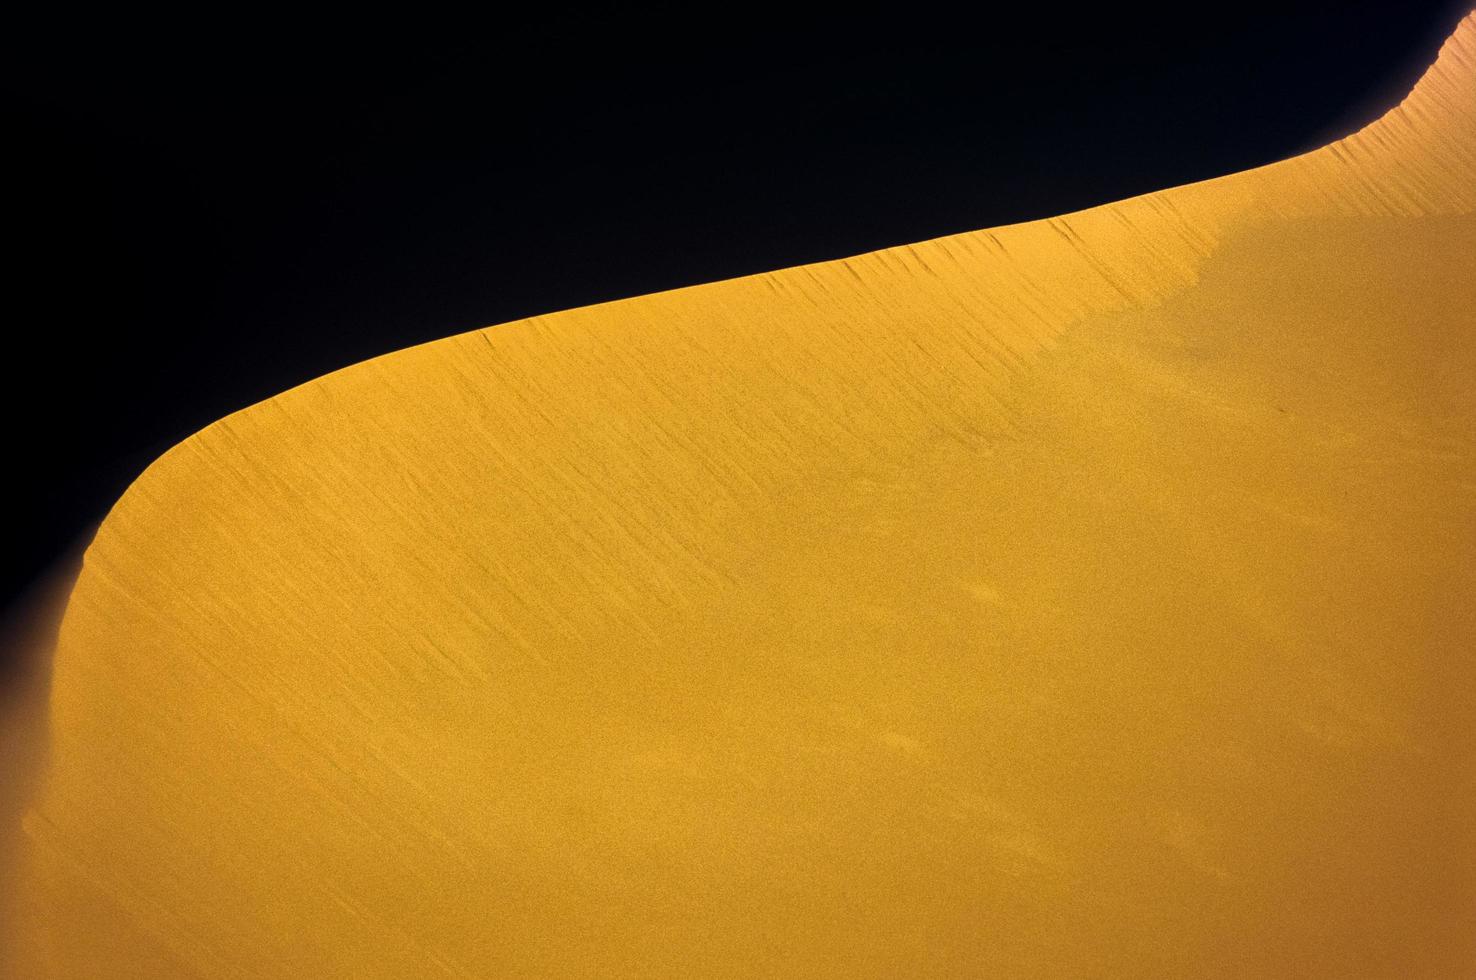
x=28 y=637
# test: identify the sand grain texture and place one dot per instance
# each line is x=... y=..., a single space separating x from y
x=1085 y=597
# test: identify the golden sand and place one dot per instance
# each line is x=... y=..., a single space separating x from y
x=1085 y=597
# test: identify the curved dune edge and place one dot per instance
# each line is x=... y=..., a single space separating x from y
x=1082 y=596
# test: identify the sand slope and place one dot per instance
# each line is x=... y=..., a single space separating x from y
x=1084 y=597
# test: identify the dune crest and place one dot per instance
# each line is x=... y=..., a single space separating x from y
x=1088 y=596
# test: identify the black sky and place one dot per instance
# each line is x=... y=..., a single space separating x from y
x=211 y=212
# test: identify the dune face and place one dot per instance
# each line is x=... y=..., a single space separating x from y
x=1084 y=597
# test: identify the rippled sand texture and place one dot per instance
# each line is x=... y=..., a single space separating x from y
x=1084 y=597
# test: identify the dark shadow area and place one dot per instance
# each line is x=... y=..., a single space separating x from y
x=212 y=213
x=28 y=635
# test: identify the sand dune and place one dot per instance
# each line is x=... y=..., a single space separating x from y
x=1085 y=597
